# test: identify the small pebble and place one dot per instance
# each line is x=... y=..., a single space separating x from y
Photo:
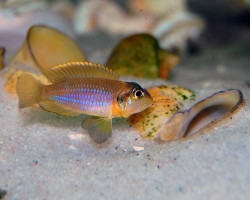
x=137 y=148
x=221 y=69
x=2 y=193
x=72 y=147
x=77 y=136
x=35 y=162
x=247 y=83
x=180 y=189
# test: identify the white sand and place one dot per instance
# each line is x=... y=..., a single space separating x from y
x=46 y=156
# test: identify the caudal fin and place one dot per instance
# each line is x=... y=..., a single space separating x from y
x=29 y=90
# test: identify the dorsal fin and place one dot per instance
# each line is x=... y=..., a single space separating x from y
x=73 y=70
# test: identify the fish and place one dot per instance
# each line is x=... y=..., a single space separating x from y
x=84 y=88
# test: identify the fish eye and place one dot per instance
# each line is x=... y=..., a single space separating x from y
x=138 y=94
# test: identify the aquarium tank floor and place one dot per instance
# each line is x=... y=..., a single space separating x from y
x=47 y=156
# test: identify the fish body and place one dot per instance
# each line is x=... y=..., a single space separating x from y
x=97 y=97
x=85 y=88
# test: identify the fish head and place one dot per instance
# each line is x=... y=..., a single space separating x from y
x=133 y=99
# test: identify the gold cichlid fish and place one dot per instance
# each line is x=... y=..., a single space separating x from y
x=84 y=88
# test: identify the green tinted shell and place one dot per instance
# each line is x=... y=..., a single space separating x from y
x=140 y=55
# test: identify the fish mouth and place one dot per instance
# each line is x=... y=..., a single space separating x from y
x=150 y=100
x=144 y=106
x=147 y=105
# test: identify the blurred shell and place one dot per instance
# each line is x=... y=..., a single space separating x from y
x=157 y=7
x=174 y=30
x=108 y=16
x=16 y=19
x=167 y=120
x=169 y=20
x=23 y=6
x=140 y=55
x=44 y=47
x=173 y=24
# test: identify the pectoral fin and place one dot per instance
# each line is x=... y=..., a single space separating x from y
x=99 y=128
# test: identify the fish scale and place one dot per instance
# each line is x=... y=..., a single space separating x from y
x=90 y=96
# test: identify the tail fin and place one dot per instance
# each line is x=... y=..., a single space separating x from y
x=29 y=90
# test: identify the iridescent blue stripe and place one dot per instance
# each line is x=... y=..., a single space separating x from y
x=90 y=97
x=86 y=96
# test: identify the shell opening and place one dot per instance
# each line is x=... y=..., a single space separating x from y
x=205 y=117
x=202 y=114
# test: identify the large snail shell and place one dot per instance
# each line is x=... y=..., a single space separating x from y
x=167 y=120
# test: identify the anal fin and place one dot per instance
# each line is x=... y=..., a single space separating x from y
x=54 y=107
x=99 y=128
